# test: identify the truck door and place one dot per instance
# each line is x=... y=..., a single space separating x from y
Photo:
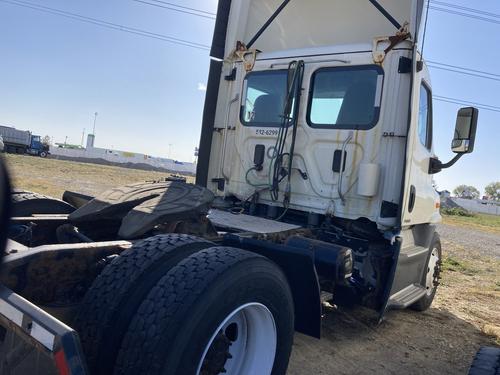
x=420 y=208
x=420 y=195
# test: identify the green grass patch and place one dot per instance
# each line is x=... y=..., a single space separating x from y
x=454 y=265
x=457 y=211
x=488 y=223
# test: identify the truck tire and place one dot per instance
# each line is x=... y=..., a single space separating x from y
x=116 y=294
x=221 y=310
x=430 y=278
x=486 y=362
x=43 y=154
x=26 y=203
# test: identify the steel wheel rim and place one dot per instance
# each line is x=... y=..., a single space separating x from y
x=432 y=272
x=252 y=350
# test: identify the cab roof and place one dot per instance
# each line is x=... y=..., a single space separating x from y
x=311 y=24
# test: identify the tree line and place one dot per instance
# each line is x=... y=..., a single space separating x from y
x=492 y=191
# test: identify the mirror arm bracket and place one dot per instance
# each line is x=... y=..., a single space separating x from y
x=435 y=165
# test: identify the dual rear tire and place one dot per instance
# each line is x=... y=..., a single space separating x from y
x=195 y=309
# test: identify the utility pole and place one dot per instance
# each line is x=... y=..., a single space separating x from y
x=95 y=119
x=169 y=150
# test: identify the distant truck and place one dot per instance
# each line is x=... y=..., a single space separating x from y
x=22 y=142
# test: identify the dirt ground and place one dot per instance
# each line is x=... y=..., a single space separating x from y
x=442 y=340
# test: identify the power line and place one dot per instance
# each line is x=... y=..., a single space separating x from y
x=472 y=10
x=467 y=102
x=462 y=68
x=106 y=24
x=486 y=107
x=480 y=18
x=166 y=38
x=463 y=72
x=184 y=7
x=175 y=9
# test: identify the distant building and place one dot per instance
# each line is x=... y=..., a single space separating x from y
x=444 y=194
x=90 y=141
x=95 y=154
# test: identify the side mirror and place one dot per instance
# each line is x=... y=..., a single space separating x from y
x=465 y=131
x=463 y=140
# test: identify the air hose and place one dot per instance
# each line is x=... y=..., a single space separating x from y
x=277 y=170
x=290 y=118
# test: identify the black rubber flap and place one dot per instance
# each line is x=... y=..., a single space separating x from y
x=142 y=206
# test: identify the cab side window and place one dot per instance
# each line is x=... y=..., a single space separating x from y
x=425 y=116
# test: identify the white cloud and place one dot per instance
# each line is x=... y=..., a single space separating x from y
x=202 y=87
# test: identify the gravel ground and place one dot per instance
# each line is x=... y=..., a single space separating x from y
x=441 y=340
x=483 y=242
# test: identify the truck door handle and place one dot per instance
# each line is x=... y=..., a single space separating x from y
x=411 y=203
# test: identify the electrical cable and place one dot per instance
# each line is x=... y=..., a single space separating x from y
x=106 y=24
x=467 y=101
x=247 y=179
x=184 y=7
x=462 y=68
x=464 y=73
x=480 y=18
x=472 y=10
x=486 y=107
x=175 y=10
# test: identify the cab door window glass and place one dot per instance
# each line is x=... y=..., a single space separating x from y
x=425 y=117
x=263 y=98
x=345 y=97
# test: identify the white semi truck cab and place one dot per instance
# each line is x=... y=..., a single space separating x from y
x=314 y=182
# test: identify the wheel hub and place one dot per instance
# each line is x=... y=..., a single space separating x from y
x=243 y=344
x=433 y=271
x=217 y=355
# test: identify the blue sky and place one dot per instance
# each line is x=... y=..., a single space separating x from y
x=56 y=72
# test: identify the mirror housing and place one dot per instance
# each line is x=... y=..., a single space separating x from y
x=465 y=131
x=463 y=139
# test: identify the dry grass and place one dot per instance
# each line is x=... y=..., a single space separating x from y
x=52 y=177
x=470 y=288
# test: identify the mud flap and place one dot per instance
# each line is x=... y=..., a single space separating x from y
x=298 y=265
x=32 y=341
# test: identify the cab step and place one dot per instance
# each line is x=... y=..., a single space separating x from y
x=407 y=296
